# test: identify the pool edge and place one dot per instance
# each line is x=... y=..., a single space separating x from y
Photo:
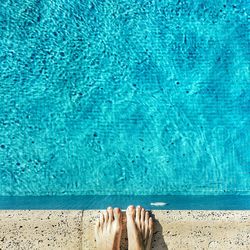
x=73 y=229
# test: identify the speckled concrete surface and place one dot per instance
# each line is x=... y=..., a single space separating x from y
x=174 y=229
x=44 y=230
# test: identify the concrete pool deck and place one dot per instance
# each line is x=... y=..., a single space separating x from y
x=174 y=229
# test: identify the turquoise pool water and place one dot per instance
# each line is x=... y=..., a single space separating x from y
x=124 y=97
x=155 y=202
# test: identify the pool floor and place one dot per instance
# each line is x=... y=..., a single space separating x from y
x=124 y=97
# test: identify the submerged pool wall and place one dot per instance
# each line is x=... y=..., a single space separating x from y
x=124 y=97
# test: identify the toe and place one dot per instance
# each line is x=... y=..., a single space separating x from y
x=117 y=214
x=138 y=216
x=142 y=215
x=97 y=228
x=151 y=226
x=130 y=212
x=146 y=217
x=146 y=226
x=101 y=219
x=106 y=217
x=142 y=219
x=110 y=214
x=99 y=225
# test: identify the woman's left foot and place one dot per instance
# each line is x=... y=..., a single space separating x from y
x=108 y=229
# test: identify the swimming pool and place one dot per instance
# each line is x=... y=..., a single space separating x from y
x=124 y=98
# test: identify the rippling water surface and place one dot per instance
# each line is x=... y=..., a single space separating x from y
x=124 y=97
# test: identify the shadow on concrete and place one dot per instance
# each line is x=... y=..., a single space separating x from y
x=158 y=242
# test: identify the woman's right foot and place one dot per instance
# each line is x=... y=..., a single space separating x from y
x=108 y=230
x=140 y=228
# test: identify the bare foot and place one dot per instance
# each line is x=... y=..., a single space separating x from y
x=108 y=230
x=140 y=228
